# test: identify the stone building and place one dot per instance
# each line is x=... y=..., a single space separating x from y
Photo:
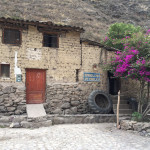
x=41 y=62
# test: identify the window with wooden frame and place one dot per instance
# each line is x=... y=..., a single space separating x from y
x=5 y=70
x=50 y=40
x=11 y=36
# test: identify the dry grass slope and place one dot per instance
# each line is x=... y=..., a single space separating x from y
x=94 y=15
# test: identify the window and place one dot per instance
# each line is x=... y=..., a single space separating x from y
x=11 y=36
x=50 y=40
x=5 y=70
x=77 y=75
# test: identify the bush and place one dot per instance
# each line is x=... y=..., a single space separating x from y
x=117 y=32
x=136 y=116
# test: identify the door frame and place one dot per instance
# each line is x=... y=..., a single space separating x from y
x=114 y=84
x=44 y=99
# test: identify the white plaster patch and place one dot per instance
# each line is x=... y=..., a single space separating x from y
x=4 y=63
x=16 y=69
x=34 y=53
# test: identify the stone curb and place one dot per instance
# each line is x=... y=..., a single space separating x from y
x=24 y=122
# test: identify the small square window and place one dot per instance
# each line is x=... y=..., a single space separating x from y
x=5 y=70
x=11 y=36
x=50 y=40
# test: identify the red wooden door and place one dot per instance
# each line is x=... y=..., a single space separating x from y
x=35 y=86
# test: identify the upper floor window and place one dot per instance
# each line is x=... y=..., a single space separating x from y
x=5 y=70
x=50 y=40
x=11 y=36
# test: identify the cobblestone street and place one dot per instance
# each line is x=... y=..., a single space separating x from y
x=72 y=137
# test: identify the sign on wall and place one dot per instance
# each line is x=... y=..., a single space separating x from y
x=91 y=77
x=18 y=78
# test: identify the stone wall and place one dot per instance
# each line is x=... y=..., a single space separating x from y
x=22 y=121
x=12 y=99
x=61 y=98
x=69 y=98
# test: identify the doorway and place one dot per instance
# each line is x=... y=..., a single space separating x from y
x=35 y=86
x=114 y=84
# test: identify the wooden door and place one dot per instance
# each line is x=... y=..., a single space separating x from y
x=35 y=86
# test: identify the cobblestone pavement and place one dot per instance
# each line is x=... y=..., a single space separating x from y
x=72 y=137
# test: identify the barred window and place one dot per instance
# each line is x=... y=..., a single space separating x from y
x=50 y=40
x=5 y=70
x=11 y=36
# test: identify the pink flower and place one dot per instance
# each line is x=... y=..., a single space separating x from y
x=106 y=38
x=148 y=32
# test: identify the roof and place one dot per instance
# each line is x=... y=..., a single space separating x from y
x=94 y=43
x=47 y=24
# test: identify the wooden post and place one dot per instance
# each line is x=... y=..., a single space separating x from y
x=118 y=104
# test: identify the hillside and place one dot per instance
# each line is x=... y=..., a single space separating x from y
x=95 y=16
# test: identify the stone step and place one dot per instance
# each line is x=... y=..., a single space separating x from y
x=35 y=110
x=123 y=111
x=122 y=101
x=25 y=122
x=115 y=97
x=4 y=125
x=122 y=106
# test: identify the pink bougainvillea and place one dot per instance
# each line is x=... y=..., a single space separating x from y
x=133 y=61
x=148 y=32
x=127 y=64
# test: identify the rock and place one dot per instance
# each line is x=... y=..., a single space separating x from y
x=19 y=119
x=74 y=110
x=1 y=93
x=11 y=108
x=125 y=125
x=18 y=112
x=142 y=134
x=15 y=125
x=79 y=89
x=5 y=120
x=21 y=107
x=13 y=89
x=58 y=120
x=25 y=124
x=17 y=100
x=9 y=103
x=68 y=111
x=4 y=125
x=5 y=96
x=1 y=99
x=38 y=119
x=65 y=105
x=46 y=123
x=45 y=105
x=7 y=90
x=60 y=97
x=69 y=120
x=1 y=87
x=66 y=99
x=148 y=130
x=2 y=109
x=12 y=95
x=138 y=126
x=75 y=103
x=57 y=111
x=20 y=88
x=146 y=126
x=89 y=119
